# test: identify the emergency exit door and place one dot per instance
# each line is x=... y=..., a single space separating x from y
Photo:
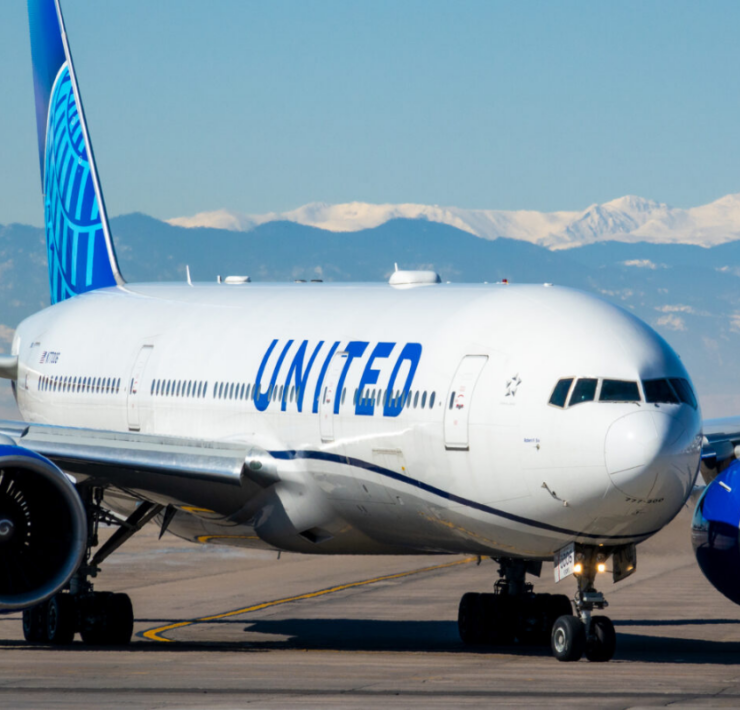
x=134 y=388
x=459 y=401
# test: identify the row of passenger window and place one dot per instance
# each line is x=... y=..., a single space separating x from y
x=414 y=399
x=373 y=397
x=179 y=388
x=66 y=383
x=198 y=389
x=673 y=390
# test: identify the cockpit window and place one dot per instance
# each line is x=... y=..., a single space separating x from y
x=584 y=391
x=619 y=391
x=684 y=391
x=560 y=393
x=659 y=392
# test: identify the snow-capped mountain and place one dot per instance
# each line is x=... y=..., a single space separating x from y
x=627 y=219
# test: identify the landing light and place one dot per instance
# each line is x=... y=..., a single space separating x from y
x=601 y=567
x=577 y=568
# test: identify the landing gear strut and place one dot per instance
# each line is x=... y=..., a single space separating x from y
x=513 y=613
x=585 y=633
x=101 y=618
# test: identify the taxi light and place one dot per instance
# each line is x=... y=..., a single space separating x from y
x=601 y=567
x=577 y=568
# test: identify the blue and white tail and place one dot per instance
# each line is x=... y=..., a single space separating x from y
x=78 y=240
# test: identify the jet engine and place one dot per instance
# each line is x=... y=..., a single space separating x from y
x=43 y=528
x=715 y=532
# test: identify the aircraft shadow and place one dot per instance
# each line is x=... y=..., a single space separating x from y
x=418 y=637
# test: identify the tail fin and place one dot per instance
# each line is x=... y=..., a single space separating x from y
x=78 y=240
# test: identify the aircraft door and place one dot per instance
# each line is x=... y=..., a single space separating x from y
x=134 y=390
x=330 y=395
x=459 y=400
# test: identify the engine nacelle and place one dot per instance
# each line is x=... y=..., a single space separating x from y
x=715 y=532
x=43 y=528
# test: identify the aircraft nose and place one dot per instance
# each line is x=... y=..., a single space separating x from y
x=636 y=445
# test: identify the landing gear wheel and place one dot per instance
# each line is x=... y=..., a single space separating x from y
x=469 y=619
x=120 y=619
x=559 y=605
x=61 y=620
x=602 y=642
x=34 y=624
x=568 y=639
x=108 y=620
x=500 y=616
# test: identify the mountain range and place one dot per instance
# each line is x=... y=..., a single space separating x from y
x=627 y=219
x=690 y=294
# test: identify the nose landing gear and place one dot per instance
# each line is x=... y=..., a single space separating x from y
x=572 y=636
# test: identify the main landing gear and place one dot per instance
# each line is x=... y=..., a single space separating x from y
x=101 y=618
x=514 y=614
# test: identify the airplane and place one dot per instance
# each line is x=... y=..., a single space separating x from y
x=521 y=423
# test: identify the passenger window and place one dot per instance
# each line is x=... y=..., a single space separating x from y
x=659 y=392
x=619 y=391
x=584 y=391
x=431 y=399
x=684 y=391
x=559 y=395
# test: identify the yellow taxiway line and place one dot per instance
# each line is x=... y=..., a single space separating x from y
x=156 y=634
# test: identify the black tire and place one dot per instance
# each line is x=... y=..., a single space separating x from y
x=557 y=605
x=568 y=639
x=61 y=620
x=469 y=621
x=500 y=617
x=602 y=642
x=120 y=619
x=560 y=606
x=108 y=620
x=527 y=619
x=34 y=624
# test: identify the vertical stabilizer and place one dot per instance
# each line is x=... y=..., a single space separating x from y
x=78 y=241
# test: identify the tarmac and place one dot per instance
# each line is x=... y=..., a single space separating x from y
x=223 y=628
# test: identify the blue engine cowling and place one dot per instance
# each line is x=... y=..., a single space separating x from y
x=715 y=532
x=43 y=528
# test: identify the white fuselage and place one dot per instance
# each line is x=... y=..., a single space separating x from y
x=489 y=468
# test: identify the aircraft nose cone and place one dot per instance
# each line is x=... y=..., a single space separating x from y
x=633 y=443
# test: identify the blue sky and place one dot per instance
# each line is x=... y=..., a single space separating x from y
x=261 y=106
